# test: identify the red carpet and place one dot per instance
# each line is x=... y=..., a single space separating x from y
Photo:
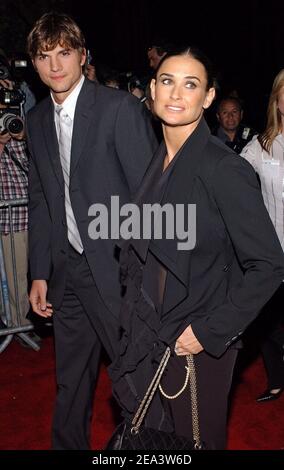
x=27 y=392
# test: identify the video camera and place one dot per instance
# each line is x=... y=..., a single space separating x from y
x=12 y=101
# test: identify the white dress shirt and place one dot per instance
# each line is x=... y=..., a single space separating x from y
x=270 y=168
x=69 y=104
x=64 y=120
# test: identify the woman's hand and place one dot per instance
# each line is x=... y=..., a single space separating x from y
x=187 y=343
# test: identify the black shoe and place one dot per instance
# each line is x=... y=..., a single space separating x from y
x=268 y=396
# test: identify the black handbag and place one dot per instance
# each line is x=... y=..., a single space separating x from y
x=135 y=436
x=146 y=439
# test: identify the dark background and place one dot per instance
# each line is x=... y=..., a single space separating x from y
x=244 y=39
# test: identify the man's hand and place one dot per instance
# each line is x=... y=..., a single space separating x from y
x=7 y=84
x=4 y=138
x=21 y=135
x=187 y=343
x=38 y=299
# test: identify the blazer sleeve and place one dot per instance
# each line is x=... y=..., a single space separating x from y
x=39 y=223
x=258 y=250
x=134 y=139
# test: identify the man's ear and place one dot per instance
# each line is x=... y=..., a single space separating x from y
x=153 y=88
x=83 y=57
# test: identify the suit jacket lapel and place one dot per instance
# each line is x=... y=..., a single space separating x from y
x=83 y=117
x=49 y=132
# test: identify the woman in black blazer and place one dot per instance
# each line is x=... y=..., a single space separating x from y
x=197 y=296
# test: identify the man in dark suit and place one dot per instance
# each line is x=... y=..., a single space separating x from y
x=87 y=143
x=231 y=129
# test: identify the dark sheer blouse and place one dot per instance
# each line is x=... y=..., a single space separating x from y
x=154 y=272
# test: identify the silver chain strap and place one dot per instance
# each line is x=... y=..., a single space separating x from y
x=191 y=376
x=144 y=405
x=194 y=402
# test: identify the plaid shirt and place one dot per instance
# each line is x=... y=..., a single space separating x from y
x=14 y=184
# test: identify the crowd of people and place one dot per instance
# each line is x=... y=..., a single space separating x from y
x=134 y=296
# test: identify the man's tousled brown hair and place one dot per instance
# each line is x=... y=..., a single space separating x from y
x=54 y=28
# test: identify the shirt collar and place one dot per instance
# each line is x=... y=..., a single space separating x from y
x=69 y=104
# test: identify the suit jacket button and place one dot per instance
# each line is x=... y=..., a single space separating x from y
x=63 y=252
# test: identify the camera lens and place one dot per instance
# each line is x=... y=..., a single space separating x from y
x=13 y=124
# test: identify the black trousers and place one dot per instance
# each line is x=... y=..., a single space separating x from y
x=81 y=326
x=272 y=348
x=214 y=378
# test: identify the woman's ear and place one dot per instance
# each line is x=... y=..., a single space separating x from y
x=209 y=98
x=153 y=88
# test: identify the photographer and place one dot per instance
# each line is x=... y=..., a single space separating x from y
x=14 y=185
x=13 y=73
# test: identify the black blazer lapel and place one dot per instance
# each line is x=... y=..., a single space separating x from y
x=84 y=115
x=50 y=136
x=180 y=191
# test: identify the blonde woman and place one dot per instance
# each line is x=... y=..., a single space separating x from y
x=266 y=154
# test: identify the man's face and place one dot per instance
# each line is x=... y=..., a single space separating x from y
x=60 y=69
x=154 y=57
x=229 y=115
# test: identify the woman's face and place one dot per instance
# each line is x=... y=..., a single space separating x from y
x=179 y=92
